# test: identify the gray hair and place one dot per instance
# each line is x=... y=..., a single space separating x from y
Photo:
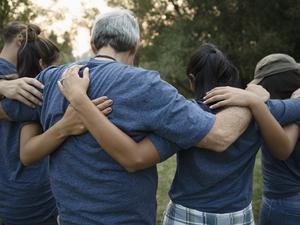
x=118 y=28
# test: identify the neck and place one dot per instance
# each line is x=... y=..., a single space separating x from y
x=123 y=57
x=9 y=53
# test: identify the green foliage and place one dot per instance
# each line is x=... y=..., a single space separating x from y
x=245 y=30
x=20 y=10
x=25 y=10
x=65 y=47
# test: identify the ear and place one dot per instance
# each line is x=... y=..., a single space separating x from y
x=41 y=63
x=134 y=50
x=19 y=39
x=192 y=81
x=94 y=49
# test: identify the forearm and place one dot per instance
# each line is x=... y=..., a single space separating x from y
x=115 y=142
x=42 y=145
x=2 y=87
x=230 y=124
x=293 y=132
x=3 y=115
x=276 y=140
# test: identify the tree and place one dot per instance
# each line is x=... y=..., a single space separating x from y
x=21 y=10
x=173 y=29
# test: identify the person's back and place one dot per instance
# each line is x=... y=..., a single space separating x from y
x=280 y=75
x=217 y=182
x=211 y=187
x=82 y=173
x=25 y=193
x=220 y=182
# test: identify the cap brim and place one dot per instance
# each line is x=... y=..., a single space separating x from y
x=256 y=81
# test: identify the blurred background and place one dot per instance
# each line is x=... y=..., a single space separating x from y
x=246 y=30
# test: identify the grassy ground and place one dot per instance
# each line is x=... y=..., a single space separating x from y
x=166 y=172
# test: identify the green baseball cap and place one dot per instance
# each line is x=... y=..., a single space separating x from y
x=272 y=64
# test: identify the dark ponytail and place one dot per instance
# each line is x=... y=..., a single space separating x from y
x=211 y=69
x=32 y=50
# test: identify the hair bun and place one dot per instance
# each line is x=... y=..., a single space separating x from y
x=33 y=32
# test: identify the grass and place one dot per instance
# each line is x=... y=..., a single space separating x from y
x=166 y=172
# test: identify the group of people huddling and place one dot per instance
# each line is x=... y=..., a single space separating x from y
x=80 y=142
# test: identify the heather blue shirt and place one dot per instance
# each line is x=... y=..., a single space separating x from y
x=222 y=182
x=92 y=188
x=25 y=193
x=281 y=178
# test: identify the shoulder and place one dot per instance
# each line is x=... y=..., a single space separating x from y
x=6 y=67
x=138 y=73
x=51 y=73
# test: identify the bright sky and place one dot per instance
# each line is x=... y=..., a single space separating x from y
x=72 y=10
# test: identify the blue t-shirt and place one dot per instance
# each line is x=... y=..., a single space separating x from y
x=222 y=182
x=25 y=193
x=91 y=187
x=6 y=68
x=281 y=178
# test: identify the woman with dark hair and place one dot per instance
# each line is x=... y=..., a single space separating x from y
x=36 y=204
x=280 y=75
x=22 y=89
x=209 y=187
x=25 y=192
x=36 y=53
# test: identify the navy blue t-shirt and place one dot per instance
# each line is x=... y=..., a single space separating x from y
x=222 y=182
x=25 y=193
x=281 y=178
x=91 y=187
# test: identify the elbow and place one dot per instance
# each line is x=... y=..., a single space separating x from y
x=223 y=141
x=24 y=159
x=284 y=152
x=135 y=165
x=221 y=148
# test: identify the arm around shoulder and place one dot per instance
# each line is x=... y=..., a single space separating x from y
x=229 y=125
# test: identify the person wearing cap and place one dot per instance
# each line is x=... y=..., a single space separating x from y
x=280 y=75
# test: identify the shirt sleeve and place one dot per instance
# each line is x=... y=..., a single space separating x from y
x=164 y=147
x=285 y=111
x=20 y=112
x=173 y=117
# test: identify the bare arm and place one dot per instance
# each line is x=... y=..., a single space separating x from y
x=277 y=140
x=230 y=124
x=3 y=115
x=131 y=155
x=35 y=145
x=23 y=89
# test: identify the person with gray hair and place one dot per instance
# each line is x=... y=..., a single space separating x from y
x=92 y=184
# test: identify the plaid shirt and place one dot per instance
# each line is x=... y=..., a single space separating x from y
x=179 y=215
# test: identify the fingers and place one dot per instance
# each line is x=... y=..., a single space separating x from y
x=214 y=93
x=20 y=98
x=32 y=90
x=104 y=105
x=107 y=111
x=221 y=104
x=86 y=74
x=30 y=97
x=99 y=100
x=216 y=98
x=73 y=70
x=33 y=82
x=60 y=86
x=219 y=89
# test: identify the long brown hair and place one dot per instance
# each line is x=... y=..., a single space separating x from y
x=32 y=50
